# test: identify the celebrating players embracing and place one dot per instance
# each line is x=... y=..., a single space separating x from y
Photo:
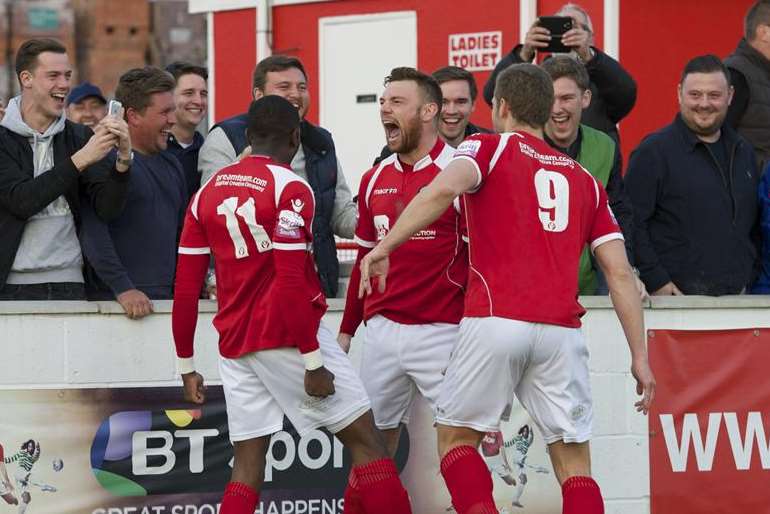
x=277 y=358
x=529 y=212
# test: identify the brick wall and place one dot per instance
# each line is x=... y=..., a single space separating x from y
x=113 y=36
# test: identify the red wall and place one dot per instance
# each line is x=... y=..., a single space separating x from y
x=657 y=38
x=295 y=30
x=235 y=54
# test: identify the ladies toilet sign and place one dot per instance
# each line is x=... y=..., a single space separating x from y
x=475 y=51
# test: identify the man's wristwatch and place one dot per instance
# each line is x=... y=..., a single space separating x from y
x=125 y=162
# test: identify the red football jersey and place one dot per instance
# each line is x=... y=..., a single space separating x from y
x=253 y=216
x=528 y=220
x=427 y=273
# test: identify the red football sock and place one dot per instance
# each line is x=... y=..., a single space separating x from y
x=239 y=498
x=380 y=489
x=469 y=481
x=581 y=495
x=352 y=496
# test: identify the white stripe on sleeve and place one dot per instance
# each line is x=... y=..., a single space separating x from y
x=184 y=250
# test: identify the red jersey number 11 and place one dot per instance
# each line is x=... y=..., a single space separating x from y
x=247 y=212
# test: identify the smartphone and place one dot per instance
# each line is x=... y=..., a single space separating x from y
x=557 y=26
x=113 y=109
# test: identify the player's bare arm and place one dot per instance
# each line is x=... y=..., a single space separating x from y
x=625 y=298
x=457 y=178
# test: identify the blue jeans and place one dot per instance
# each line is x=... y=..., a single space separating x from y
x=47 y=291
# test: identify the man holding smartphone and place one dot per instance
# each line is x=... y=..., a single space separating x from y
x=50 y=168
x=613 y=90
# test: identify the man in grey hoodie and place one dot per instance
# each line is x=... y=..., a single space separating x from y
x=47 y=166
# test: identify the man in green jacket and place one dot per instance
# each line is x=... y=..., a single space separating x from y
x=594 y=150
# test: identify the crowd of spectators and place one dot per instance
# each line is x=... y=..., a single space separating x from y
x=91 y=204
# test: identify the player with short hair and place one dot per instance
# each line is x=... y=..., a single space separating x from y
x=255 y=217
x=529 y=210
x=413 y=325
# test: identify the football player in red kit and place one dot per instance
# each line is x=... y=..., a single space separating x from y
x=529 y=211
x=276 y=358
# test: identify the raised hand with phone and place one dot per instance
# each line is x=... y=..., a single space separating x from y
x=570 y=30
x=109 y=133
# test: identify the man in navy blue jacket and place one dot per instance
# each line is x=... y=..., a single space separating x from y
x=134 y=256
x=762 y=286
x=693 y=185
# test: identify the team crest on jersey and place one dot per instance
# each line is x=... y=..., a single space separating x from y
x=382 y=225
x=470 y=148
x=297 y=205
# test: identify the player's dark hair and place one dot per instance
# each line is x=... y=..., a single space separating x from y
x=564 y=66
x=428 y=86
x=274 y=63
x=136 y=86
x=705 y=64
x=179 y=68
x=28 y=52
x=528 y=92
x=27 y=443
x=758 y=14
x=448 y=73
x=271 y=120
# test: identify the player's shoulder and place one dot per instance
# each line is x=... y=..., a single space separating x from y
x=444 y=157
x=375 y=171
x=472 y=144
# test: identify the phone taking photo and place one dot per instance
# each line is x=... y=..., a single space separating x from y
x=557 y=26
x=114 y=107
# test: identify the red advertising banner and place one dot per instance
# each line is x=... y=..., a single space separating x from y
x=710 y=422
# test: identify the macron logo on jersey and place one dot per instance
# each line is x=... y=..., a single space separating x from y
x=385 y=191
x=297 y=205
x=470 y=148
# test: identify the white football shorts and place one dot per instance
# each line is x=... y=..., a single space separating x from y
x=261 y=387
x=397 y=360
x=545 y=366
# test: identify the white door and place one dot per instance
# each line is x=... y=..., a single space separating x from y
x=356 y=53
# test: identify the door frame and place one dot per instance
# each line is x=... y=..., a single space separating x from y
x=329 y=21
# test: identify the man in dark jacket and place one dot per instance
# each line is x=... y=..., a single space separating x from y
x=749 y=65
x=316 y=161
x=191 y=96
x=46 y=164
x=134 y=255
x=613 y=90
x=459 y=91
x=694 y=189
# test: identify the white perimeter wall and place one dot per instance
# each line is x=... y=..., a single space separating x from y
x=81 y=344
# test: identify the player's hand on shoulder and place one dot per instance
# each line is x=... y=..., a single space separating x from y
x=135 y=303
x=194 y=390
x=645 y=384
x=319 y=382
x=344 y=341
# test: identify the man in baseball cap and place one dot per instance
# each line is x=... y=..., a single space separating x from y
x=86 y=104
